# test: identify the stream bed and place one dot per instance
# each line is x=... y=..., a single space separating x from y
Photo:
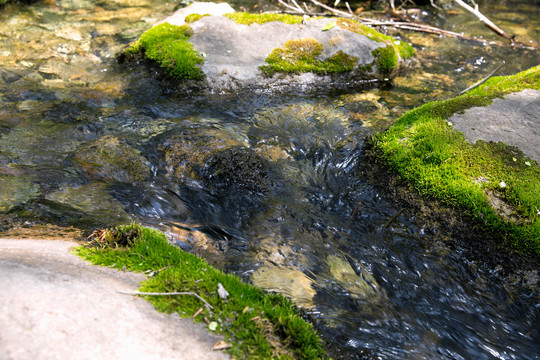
x=378 y=281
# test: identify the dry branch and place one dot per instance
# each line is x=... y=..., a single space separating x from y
x=166 y=294
x=411 y=26
x=483 y=80
x=290 y=7
x=484 y=19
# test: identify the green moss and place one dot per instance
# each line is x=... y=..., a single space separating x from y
x=245 y=18
x=424 y=150
x=194 y=17
x=259 y=325
x=299 y=56
x=387 y=58
x=168 y=46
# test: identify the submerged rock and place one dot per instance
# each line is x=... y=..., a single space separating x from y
x=109 y=159
x=235 y=51
x=93 y=202
x=291 y=283
x=186 y=153
x=15 y=191
x=359 y=283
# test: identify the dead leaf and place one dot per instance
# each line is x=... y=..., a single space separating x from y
x=222 y=292
x=222 y=345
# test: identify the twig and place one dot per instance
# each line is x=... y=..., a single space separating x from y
x=331 y=9
x=403 y=25
x=417 y=27
x=166 y=294
x=484 y=19
x=435 y=6
x=289 y=6
x=297 y=6
x=393 y=218
x=348 y=7
x=483 y=80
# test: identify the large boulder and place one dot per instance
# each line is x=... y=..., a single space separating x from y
x=204 y=45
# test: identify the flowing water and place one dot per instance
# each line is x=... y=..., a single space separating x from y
x=378 y=281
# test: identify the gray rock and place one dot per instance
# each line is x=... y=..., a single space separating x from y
x=234 y=52
x=203 y=8
x=514 y=120
x=54 y=305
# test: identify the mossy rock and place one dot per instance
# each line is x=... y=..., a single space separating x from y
x=168 y=46
x=243 y=51
x=387 y=58
x=108 y=158
x=259 y=325
x=492 y=184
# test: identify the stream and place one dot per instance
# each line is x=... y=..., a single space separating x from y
x=378 y=281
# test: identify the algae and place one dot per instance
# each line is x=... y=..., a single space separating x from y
x=298 y=56
x=424 y=150
x=239 y=167
x=194 y=17
x=259 y=325
x=245 y=18
x=169 y=47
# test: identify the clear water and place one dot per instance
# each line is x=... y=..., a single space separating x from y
x=375 y=289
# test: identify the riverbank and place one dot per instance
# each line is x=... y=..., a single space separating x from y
x=79 y=300
x=257 y=325
x=491 y=183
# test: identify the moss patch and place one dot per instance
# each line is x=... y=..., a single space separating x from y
x=299 y=56
x=169 y=47
x=387 y=58
x=194 y=17
x=424 y=150
x=259 y=325
x=245 y=18
x=240 y=167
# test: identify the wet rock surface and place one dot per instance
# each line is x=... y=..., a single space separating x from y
x=107 y=158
